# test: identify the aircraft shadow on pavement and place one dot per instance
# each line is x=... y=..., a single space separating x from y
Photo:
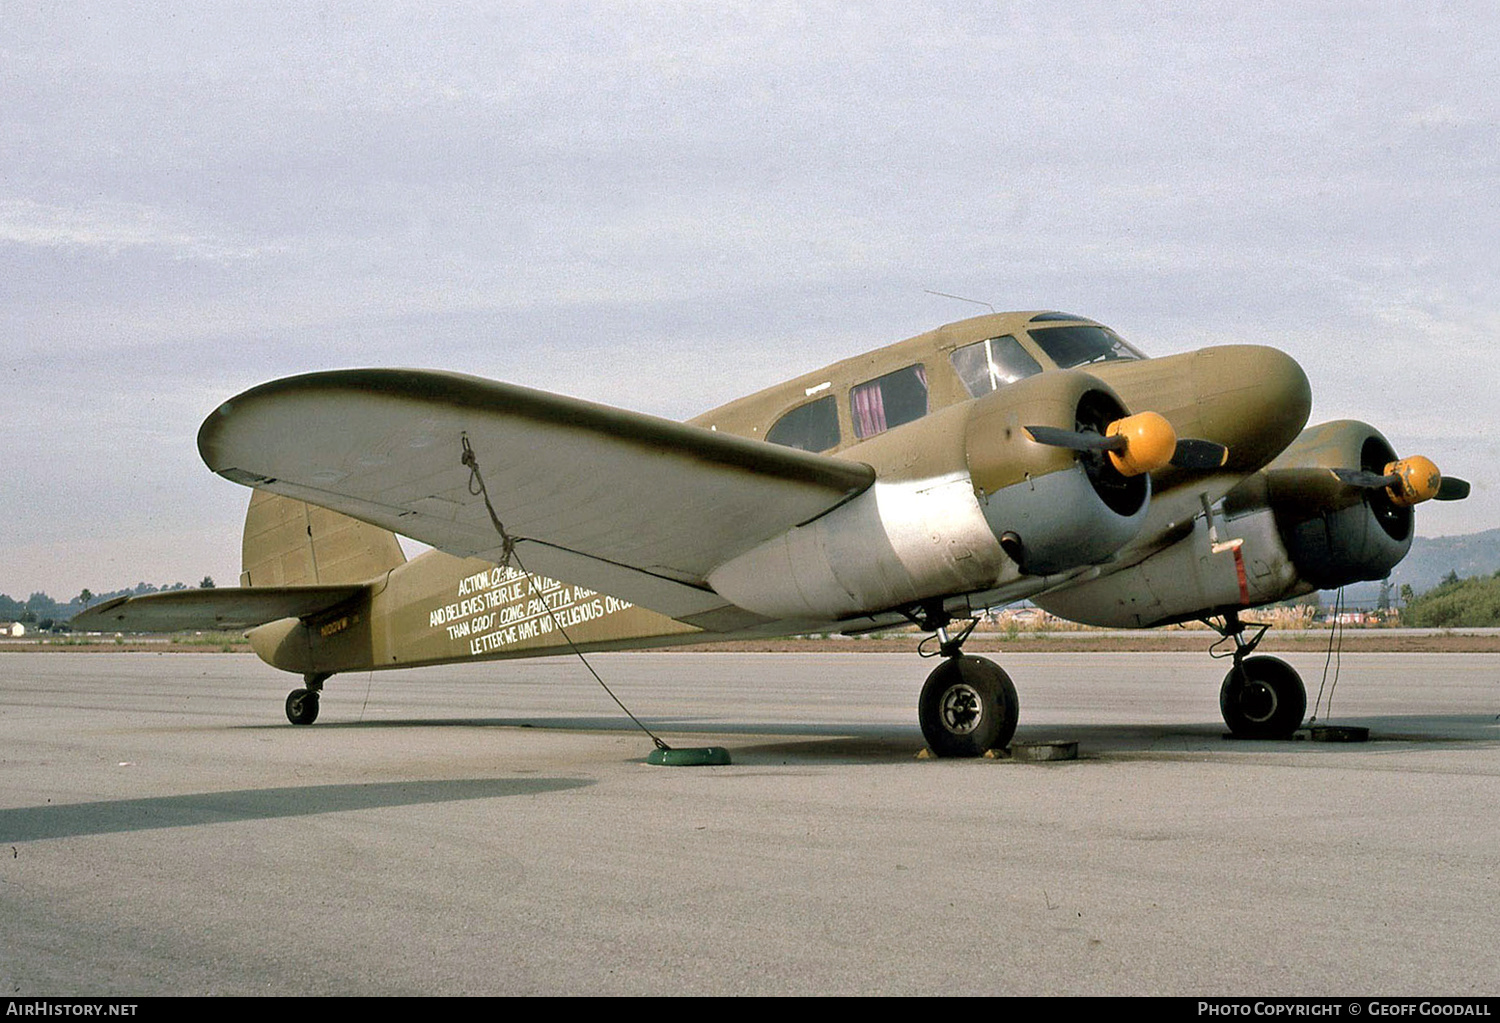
x=67 y=820
x=863 y=742
x=713 y=726
x=1095 y=742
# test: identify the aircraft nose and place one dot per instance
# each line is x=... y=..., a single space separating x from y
x=1253 y=399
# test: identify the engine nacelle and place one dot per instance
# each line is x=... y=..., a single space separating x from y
x=978 y=505
x=1333 y=533
x=1283 y=532
x=1191 y=579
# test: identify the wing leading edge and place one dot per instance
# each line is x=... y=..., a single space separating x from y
x=637 y=506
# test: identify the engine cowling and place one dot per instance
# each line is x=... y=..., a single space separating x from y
x=1050 y=510
x=1336 y=534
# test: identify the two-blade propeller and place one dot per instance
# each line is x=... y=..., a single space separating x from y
x=1408 y=481
x=1144 y=442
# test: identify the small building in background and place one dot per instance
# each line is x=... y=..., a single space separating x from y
x=1024 y=617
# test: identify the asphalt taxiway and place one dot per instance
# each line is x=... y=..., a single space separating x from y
x=493 y=829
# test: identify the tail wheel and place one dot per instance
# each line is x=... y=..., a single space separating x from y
x=1262 y=698
x=968 y=706
x=302 y=706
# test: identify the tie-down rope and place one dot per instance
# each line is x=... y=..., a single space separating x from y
x=508 y=554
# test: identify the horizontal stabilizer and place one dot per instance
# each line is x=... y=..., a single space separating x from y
x=227 y=608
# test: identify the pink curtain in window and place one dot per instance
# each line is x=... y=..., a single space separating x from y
x=869 y=410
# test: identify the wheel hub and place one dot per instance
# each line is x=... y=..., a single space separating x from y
x=961 y=709
x=1257 y=701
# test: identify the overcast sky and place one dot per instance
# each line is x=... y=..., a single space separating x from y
x=665 y=206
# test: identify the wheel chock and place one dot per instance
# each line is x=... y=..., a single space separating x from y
x=1042 y=752
x=693 y=756
x=1022 y=752
x=1335 y=733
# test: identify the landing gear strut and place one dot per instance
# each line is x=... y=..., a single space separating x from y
x=302 y=704
x=1262 y=697
x=968 y=705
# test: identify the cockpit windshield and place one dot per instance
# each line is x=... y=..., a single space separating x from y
x=987 y=365
x=1081 y=344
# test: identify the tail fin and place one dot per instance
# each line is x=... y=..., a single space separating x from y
x=291 y=543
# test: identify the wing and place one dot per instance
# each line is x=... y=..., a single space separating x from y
x=632 y=505
x=227 y=608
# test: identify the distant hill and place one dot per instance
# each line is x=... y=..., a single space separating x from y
x=1432 y=558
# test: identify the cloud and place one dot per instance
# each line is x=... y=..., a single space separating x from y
x=110 y=228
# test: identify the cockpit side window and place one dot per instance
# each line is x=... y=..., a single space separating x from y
x=1080 y=345
x=889 y=401
x=811 y=427
x=990 y=364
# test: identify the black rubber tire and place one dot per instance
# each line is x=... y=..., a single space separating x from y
x=1263 y=698
x=302 y=706
x=968 y=706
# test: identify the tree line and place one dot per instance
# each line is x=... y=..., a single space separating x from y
x=46 y=614
x=1454 y=603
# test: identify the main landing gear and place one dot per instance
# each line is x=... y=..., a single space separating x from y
x=968 y=705
x=1262 y=697
x=302 y=704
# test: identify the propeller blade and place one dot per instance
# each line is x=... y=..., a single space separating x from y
x=1310 y=491
x=1137 y=444
x=1365 y=479
x=1073 y=440
x=1199 y=454
x=1452 y=489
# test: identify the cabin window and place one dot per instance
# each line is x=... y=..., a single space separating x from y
x=886 y=402
x=1077 y=346
x=811 y=427
x=990 y=364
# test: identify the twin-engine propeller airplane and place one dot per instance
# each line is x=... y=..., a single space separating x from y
x=1018 y=455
